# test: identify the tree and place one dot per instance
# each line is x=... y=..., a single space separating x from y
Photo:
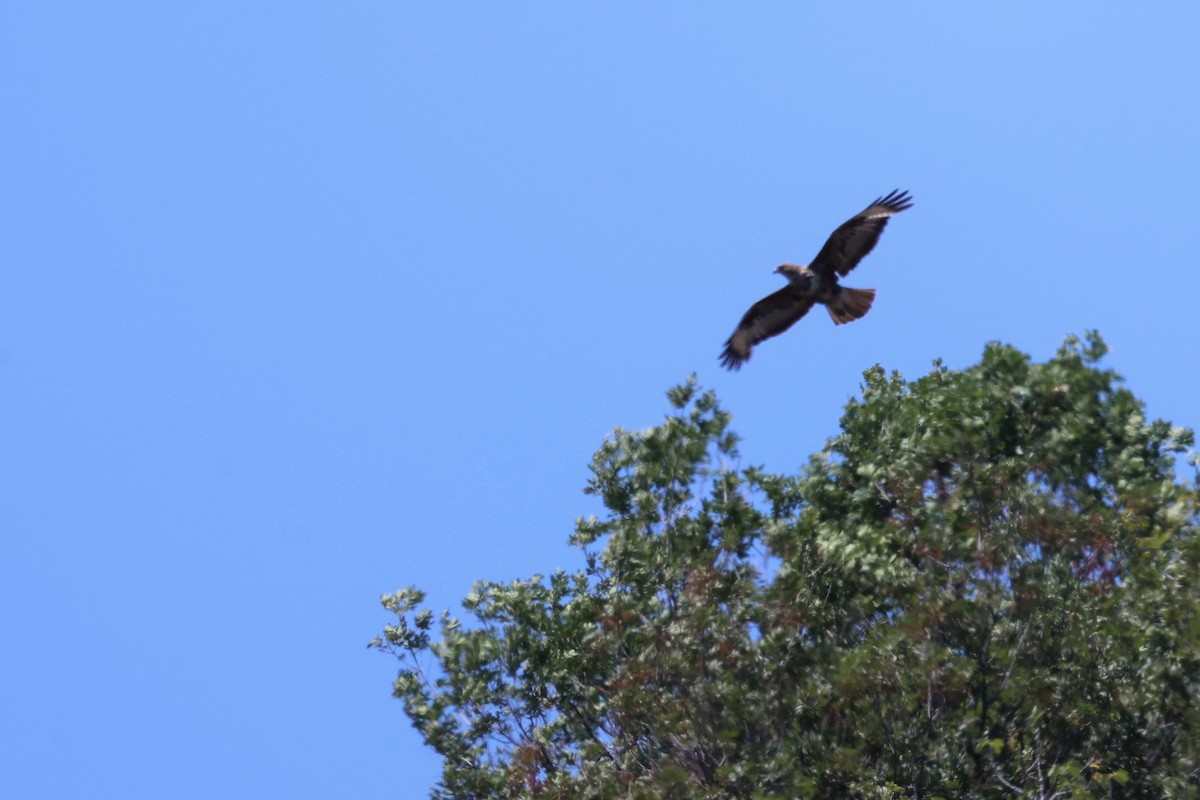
x=984 y=586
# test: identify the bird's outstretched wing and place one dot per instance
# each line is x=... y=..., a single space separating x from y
x=769 y=317
x=857 y=236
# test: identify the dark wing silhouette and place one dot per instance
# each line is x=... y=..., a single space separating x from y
x=857 y=236
x=769 y=317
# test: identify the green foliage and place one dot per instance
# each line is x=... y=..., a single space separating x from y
x=984 y=586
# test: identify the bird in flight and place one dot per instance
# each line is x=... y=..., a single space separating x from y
x=817 y=282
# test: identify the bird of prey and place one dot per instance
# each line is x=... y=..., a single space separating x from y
x=817 y=282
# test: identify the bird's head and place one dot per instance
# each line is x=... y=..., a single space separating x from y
x=790 y=269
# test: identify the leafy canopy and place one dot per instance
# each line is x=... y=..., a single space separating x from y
x=984 y=586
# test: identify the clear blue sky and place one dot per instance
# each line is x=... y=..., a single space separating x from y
x=304 y=302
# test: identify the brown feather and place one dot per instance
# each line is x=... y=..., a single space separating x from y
x=848 y=304
x=857 y=236
x=769 y=317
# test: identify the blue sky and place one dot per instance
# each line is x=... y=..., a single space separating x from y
x=304 y=302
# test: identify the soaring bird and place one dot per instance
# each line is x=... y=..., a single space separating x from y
x=817 y=282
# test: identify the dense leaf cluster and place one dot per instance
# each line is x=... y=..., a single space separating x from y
x=985 y=586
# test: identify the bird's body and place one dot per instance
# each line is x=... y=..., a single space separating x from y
x=817 y=282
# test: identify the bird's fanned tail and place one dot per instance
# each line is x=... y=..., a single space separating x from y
x=849 y=304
